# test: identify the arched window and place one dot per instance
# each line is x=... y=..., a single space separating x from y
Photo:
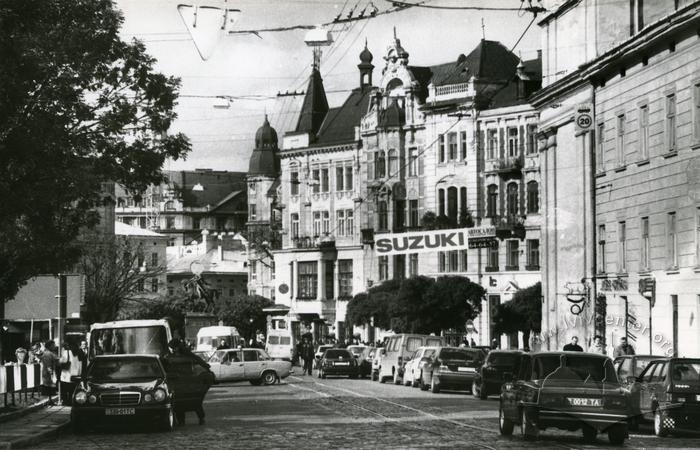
x=512 y=199
x=441 y=202
x=380 y=166
x=393 y=163
x=382 y=215
x=533 y=201
x=452 y=205
x=492 y=201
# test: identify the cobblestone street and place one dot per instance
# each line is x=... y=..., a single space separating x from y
x=306 y=412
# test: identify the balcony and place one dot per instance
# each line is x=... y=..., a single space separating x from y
x=509 y=226
x=326 y=243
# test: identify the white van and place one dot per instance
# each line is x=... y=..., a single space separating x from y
x=121 y=337
x=209 y=338
x=280 y=344
x=400 y=347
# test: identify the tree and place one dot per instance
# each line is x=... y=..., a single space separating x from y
x=79 y=107
x=522 y=313
x=409 y=311
x=372 y=307
x=114 y=273
x=245 y=312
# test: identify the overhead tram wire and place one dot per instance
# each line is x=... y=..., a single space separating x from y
x=424 y=4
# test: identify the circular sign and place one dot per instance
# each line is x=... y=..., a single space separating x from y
x=584 y=121
x=196 y=267
x=283 y=288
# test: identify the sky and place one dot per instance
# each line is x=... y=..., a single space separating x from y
x=261 y=66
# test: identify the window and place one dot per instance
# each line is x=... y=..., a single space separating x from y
x=463 y=261
x=340 y=222
x=295 y=225
x=348 y=178
x=317 y=223
x=154 y=259
x=533 y=204
x=644 y=132
x=622 y=247
x=141 y=260
x=453 y=261
x=253 y=270
x=154 y=284
x=671 y=122
x=442 y=262
x=672 y=241
x=621 y=140
x=452 y=146
x=644 y=260
x=463 y=143
x=170 y=223
x=441 y=202
x=696 y=112
x=380 y=164
x=325 y=181
x=169 y=205
x=600 y=148
x=339 y=179
x=413 y=265
x=492 y=259
x=349 y=222
x=413 y=213
x=140 y=285
x=512 y=262
x=399 y=267
x=412 y=162
x=382 y=216
x=326 y=222
x=316 y=178
x=345 y=278
x=393 y=163
x=531 y=139
x=601 y=249
x=492 y=201
x=512 y=193
x=308 y=279
x=512 y=141
x=196 y=223
x=383 y=266
x=252 y=213
x=294 y=183
x=492 y=144
x=533 y=254
x=441 y=148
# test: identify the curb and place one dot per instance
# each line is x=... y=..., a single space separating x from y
x=24 y=411
x=37 y=438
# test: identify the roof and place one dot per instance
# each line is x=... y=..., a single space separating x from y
x=122 y=229
x=130 y=324
x=228 y=198
x=210 y=263
x=265 y=158
x=315 y=105
x=339 y=124
x=215 y=186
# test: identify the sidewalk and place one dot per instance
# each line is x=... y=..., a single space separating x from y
x=33 y=425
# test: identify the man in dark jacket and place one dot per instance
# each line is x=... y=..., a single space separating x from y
x=190 y=378
x=307 y=354
x=573 y=345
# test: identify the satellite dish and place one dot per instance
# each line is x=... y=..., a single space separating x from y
x=196 y=267
x=207 y=23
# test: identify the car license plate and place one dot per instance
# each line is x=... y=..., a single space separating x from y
x=575 y=401
x=466 y=369
x=120 y=411
x=342 y=364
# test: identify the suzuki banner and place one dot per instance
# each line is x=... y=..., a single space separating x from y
x=430 y=240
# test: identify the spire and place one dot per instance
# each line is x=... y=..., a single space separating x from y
x=315 y=106
x=365 y=67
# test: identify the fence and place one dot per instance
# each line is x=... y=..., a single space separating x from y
x=19 y=379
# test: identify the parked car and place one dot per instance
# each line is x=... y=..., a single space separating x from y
x=204 y=355
x=400 y=347
x=377 y=363
x=119 y=388
x=566 y=390
x=280 y=344
x=248 y=364
x=451 y=368
x=356 y=349
x=629 y=367
x=668 y=392
x=413 y=367
x=338 y=361
x=498 y=366
x=320 y=350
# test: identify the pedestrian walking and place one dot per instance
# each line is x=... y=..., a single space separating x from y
x=623 y=349
x=49 y=366
x=82 y=354
x=597 y=346
x=573 y=345
x=307 y=353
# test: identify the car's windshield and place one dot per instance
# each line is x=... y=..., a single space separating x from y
x=503 y=359
x=122 y=369
x=460 y=355
x=150 y=340
x=642 y=363
x=686 y=371
x=583 y=368
x=336 y=353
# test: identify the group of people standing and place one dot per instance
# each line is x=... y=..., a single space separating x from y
x=597 y=346
x=59 y=367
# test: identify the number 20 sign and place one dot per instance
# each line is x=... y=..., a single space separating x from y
x=584 y=117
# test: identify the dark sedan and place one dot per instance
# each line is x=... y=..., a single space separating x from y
x=668 y=392
x=124 y=387
x=451 y=368
x=565 y=390
x=338 y=361
x=499 y=366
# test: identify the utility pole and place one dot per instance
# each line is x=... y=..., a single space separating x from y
x=62 y=307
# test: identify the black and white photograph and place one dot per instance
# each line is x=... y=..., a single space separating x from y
x=349 y=224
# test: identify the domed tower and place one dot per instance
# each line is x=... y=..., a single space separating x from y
x=265 y=159
x=365 y=67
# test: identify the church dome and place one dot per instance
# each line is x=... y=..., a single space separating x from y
x=265 y=159
x=366 y=56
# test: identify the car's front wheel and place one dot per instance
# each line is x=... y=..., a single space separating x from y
x=269 y=377
x=528 y=430
x=434 y=385
x=661 y=428
x=505 y=425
